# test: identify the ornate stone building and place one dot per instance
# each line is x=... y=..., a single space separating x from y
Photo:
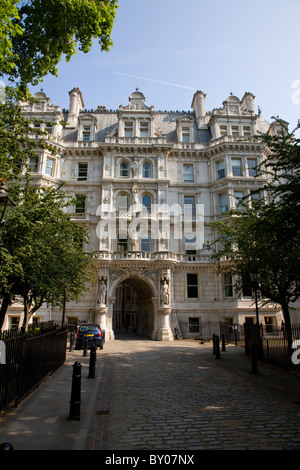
x=148 y=183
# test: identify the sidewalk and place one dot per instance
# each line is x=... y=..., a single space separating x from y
x=40 y=421
x=155 y=395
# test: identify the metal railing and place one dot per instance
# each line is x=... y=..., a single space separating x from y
x=272 y=345
x=27 y=358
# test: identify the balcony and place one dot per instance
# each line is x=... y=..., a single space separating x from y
x=152 y=256
x=136 y=140
x=80 y=216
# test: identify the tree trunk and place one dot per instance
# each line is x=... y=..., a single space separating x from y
x=26 y=310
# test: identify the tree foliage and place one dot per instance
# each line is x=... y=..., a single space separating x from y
x=41 y=255
x=41 y=259
x=9 y=31
x=36 y=34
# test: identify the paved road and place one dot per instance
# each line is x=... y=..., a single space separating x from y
x=178 y=396
x=155 y=396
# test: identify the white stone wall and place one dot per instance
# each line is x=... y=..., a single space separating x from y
x=102 y=139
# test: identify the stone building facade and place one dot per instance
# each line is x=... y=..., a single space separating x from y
x=147 y=184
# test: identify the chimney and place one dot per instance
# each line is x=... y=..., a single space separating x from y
x=76 y=105
x=198 y=106
x=247 y=102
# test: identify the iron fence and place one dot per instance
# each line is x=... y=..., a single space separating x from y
x=232 y=333
x=272 y=345
x=27 y=358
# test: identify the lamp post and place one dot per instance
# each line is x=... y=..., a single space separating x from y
x=5 y=202
x=258 y=344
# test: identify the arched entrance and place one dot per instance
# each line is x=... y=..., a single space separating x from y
x=133 y=309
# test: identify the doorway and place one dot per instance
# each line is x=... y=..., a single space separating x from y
x=133 y=312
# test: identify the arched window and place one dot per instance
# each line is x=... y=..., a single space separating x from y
x=147 y=170
x=124 y=170
x=146 y=201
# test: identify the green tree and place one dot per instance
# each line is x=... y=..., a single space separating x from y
x=262 y=242
x=36 y=34
x=41 y=255
x=9 y=30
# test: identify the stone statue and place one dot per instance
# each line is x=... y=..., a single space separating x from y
x=164 y=293
x=101 y=293
x=135 y=168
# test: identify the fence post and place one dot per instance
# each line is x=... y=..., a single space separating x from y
x=92 y=365
x=75 y=393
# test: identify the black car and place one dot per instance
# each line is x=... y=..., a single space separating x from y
x=92 y=332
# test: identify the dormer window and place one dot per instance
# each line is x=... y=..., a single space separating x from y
x=186 y=135
x=86 y=133
x=144 y=129
x=87 y=128
x=128 y=129
x=185 y=129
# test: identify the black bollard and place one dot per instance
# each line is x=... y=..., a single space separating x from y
x=85 y=346
x=6 y=446
x=92 y=366
x=218 y=347
x=223 y=342
x=214 y=344
x=75 y=393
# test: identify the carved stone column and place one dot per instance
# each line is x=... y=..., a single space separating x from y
x=101 y=316
x=165 y=332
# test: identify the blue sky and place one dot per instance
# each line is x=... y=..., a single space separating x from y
x=168 y=49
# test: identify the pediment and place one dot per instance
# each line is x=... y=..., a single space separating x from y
x=185 y=119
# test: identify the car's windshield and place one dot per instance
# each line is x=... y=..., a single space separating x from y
x=86 y=328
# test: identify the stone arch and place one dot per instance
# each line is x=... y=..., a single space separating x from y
x=134 y=306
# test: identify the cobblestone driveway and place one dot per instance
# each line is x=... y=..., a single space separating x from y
x=178 y=396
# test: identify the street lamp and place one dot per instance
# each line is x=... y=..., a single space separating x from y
x=5 y=202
